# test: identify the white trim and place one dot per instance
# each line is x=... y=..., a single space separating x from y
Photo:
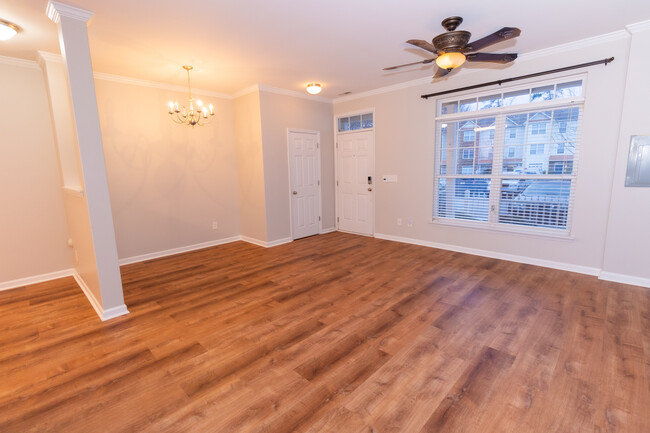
x=495 y=255
x=104 y=315
x=638 y=27
x=580 y=44
x=294 y=93
x=248 y=90
x=23 y=63
x=55 y=10
x=328 y=230
x=264 y=243
x=625 y=279
x=20 y=282
x=76 y=192
x=156 y=85
x=49 y=57
x=179 y=250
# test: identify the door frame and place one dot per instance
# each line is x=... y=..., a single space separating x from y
x=337 y=116
x=318 y=175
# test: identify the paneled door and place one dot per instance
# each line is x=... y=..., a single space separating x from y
x=304 y=166
x=356 y=182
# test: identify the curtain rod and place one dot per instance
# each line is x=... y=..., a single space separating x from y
x=521 y=77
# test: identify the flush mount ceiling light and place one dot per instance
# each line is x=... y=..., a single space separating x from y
x=8 y=30
x=193 y=115
x=314 y=88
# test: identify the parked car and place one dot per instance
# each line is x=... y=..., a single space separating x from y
x=543 y=203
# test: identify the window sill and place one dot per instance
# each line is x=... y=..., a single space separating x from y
x=501 y=228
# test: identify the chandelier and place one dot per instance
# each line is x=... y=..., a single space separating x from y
x=195 y=113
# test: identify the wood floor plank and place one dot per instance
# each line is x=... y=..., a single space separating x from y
x=332 y=333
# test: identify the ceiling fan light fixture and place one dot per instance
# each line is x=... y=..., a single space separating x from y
x=8 y=30
x=450 y=60
x=314 y=88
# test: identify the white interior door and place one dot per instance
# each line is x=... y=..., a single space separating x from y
x=356 y=182
x=304 y=166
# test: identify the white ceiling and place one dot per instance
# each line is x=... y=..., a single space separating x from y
x=342 y=44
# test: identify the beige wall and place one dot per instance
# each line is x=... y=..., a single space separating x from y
x=250 y=166
x=405 y=132
x=279 y=113
x=627 y=252
x=167 y=182
x=33 y=233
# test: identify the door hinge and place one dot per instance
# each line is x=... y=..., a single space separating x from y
x=319 y=182
x=337 y=183
x=337 y=219
x=337 y=144
x=318 y=218
x=317 y=145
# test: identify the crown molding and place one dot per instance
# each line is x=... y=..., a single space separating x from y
x=44 y=56
x=386 y=89
x=55 y=10
x=23 y=63
x=248 y=90
x=638 y=27
x=575 y=45
x=293 y=93
x=545 y=52
x=156 y=85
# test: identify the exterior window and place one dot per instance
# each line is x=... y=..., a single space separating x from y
x=519 y=173
x=538 y=128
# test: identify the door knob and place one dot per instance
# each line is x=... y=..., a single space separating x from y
x=369 y=189
x=295 y=192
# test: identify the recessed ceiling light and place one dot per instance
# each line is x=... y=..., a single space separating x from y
x=8 y=30
x=313 y=88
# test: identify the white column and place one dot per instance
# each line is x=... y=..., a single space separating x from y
x=103 y=285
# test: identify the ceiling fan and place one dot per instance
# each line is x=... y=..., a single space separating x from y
x=452 y=48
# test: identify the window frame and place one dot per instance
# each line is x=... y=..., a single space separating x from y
x=501 y=147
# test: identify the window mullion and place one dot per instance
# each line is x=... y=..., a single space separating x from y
x=497 y=167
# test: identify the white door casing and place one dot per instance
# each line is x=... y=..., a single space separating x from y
x=304 y=180
x=356 y=182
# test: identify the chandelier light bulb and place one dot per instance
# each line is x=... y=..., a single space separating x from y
x=199 y=116
x=313 y=88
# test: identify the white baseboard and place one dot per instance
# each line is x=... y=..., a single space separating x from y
x=104 y=315
x=495 y=255
x=328 y=230
x=625 y=279
x=20 y=282
x=264 y=243
x=170 y=252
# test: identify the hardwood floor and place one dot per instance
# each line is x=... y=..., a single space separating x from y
x=334 y=333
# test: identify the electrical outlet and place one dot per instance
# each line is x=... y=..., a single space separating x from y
x=399 y=221
x=215 y=225
x=409 y=222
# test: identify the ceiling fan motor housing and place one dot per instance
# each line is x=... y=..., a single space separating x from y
x=452 y=41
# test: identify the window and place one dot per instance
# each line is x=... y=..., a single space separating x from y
x=514 y=181
x=538 y=128
x=353 y=123
x=537 y=149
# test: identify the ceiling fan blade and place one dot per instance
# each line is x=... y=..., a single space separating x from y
x=423 y=62
x=491 y=57
x=423 y=44
x=441 y=73
x=498 y=36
